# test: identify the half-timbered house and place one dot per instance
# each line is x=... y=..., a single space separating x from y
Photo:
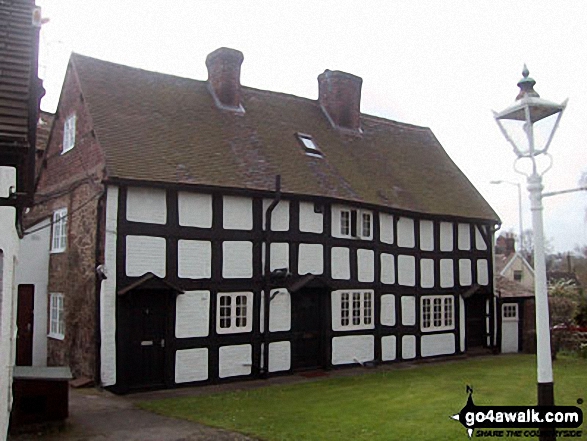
x=203 y=231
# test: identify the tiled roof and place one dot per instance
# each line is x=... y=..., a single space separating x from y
x=157 y=127
x=510 y=288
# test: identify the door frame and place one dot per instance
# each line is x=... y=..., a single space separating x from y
x=321 y=296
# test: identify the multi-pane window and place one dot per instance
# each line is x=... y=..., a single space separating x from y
x=56 y=316
x=59 y=231
x=365 y=225
x=356 y=309
x=437 y=313
x=234 y=312
x=510 y=311
x=69 y=134
x=518 y=275
x=356 y=223
x=345 y=223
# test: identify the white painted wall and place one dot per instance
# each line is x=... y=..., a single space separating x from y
x=237 y=259
x=235 y=360
x=464 y=239
x=387 y=268
x=446 y=236
x=427 y=273
x=366 y=265
x=340 y=263
x=194 y=259
x=145 y=254
x=482 y=272
x=408 y=347
x=310 y=259
x=237 y=213
x=147 y=205
x=388 y=347
x=108 y=292
x=462 y=323
x=33 y=269
x=406 y=270
x=405 y=232
x=386 y=228
x=408 y=310
x=279 y=217
x=353 y=349
x=446 y=273
x=191 y=365
x=426 y=235
x=465 y=272
x=279 y=311
x=479 y=242
x=279 y=356
x=195 y=210
x=388 y=310
x=279 y=256
x=192 y=317
x=310 y=222
x=437 y=344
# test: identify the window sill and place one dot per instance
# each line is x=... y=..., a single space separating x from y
x=56 y=336
x=449 y=328
x=57 y=251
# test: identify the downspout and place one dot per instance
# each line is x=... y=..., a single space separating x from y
x=267 y=273
x=496 y=335
x=98 y=257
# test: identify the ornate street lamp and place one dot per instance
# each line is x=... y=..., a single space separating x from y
x=529 y=126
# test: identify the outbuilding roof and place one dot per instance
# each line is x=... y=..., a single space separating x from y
x=162 y=128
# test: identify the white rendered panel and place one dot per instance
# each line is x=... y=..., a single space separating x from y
x=386 y=227
x=437 y=344
x=462 y=323
x=237 y=259
x=387 y=268
x=353 y=349
x=446 y=273
x=237 y=213
x=482 y=272
x=192 y=317
x=279 y=216
x=406 y=270
x=310 y=259
x=479 y=241
x=465 y=275
x=194 y=259
x=340 y=263
x=262 y=314
x=388 y=347
x=191 y=365
x=146 y=205
x=279 y=311
x=310 y=222
x=408 y=310
x=366 y=265
x=235 y=360
x=108 y=292
x=464 y=239
x=388 y=310
x=426 y=235
x=446 y=236
x=408 y=347
x=279 y=356
x=279 y=256
x=427 y=273
x=405 y=232
x=145 y=254
x=195 y=210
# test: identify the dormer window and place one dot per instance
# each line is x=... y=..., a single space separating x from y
x=68 y=133
x=309 y=145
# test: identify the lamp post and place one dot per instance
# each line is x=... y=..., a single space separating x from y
x=536 y=120
x=517 y=184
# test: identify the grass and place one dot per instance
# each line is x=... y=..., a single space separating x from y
x=397 y=404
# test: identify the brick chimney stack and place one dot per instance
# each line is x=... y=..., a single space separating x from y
x=340 y=98
x=224 y=69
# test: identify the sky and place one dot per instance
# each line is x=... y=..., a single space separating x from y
x=441 y=64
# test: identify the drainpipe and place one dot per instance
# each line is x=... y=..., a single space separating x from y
x=99 y=277
x=267 y=272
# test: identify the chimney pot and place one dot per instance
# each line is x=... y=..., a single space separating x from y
x=224 y=68
x=340 y=98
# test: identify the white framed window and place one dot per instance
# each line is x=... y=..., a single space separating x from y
x=510 y=311
x=59 y=231
x=352 y=309
x=345 y=222
x=234 y=312
x=56 y=316
x=366 y=224
x=69 y=133
x=437 y=313
x=355 y=223
x=310 y=146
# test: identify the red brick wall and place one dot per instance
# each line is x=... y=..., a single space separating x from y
x=72 y=181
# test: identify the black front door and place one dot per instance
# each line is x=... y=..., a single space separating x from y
x=24 y=321
x=475 y=321
x=307 y=324
x=148 y=322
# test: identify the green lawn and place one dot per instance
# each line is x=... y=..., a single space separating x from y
x=399 y=404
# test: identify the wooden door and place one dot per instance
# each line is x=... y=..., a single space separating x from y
x=475 y=318
x=307 y=325
x=24 y=321
x=148 y=331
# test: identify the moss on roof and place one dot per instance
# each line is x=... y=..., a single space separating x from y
x=158 y=127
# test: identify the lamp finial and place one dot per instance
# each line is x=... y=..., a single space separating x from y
x=526 y=85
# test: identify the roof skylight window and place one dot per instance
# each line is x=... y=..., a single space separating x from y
x=309 y=145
